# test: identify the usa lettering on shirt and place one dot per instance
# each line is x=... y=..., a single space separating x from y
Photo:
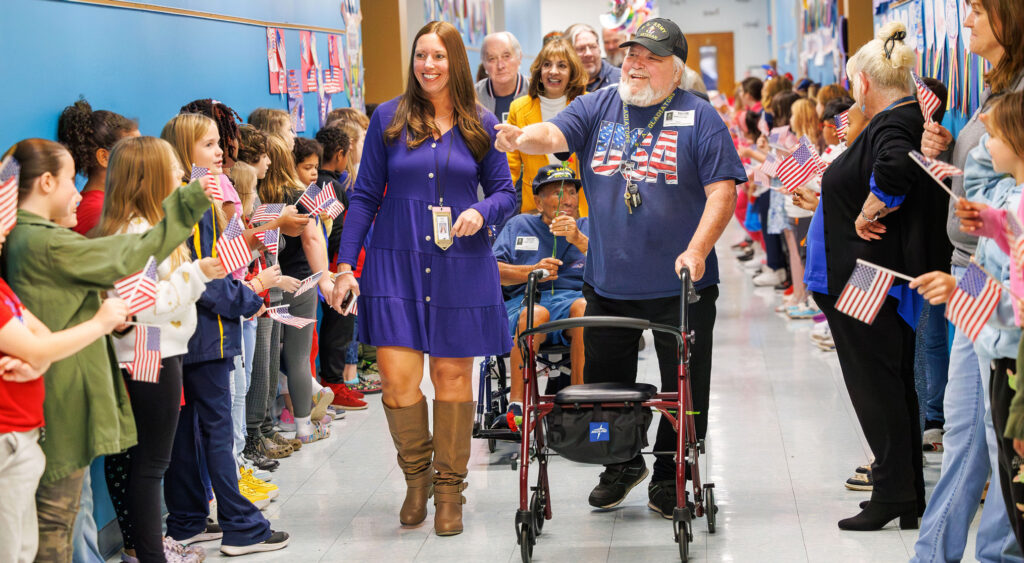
x=650 y=158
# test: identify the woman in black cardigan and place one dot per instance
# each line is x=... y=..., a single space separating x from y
x=879 y=206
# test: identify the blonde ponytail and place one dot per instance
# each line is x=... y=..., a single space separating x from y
x=886 y=59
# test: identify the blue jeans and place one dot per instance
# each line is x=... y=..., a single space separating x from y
x=936 y=358
x=84 y=536
x=969 y=455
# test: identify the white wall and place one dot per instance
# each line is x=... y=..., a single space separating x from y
x=748 y=20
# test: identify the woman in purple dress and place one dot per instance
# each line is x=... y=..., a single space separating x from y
x=430 y=282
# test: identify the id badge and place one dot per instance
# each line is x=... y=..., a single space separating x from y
x=442 y=226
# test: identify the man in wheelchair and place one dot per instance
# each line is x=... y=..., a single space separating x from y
x=554 y=240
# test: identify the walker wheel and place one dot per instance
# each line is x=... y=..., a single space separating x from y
x=526 y=540
x=537 y=509
x=683 y=539
x=710 y=509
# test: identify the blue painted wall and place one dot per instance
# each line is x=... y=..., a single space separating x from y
x=145 y=65
x=522 y=18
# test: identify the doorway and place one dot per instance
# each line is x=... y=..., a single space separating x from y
x=711 y=54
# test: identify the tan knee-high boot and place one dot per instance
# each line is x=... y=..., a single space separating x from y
x=453 y=429
x=411 y=434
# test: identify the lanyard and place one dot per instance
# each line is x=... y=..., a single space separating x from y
x=439 y=180
x=630 y=146
x=898 y=102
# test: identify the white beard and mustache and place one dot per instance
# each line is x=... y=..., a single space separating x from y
x=644 y=97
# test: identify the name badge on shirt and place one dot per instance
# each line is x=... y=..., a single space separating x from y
x=679 y=118
x=527 y=243
x=442 y=226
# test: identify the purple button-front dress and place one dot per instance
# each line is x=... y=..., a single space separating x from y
x=446 y=303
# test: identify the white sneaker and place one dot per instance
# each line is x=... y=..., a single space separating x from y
x=753 y=265
x=770 y=278
x=820 y=332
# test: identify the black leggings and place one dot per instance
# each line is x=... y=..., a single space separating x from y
x=133 y=477
x=611 y=356
x=1001 y=395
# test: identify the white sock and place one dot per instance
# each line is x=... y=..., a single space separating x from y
x=303 y=426
x=316 y=386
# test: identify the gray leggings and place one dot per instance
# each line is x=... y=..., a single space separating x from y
x=296 y=346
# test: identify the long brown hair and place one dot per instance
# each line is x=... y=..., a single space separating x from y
x=36 y=157
x=553 y=50
x=1005 y=16
x=281 y=181
x=415 y=113
x=138 y=181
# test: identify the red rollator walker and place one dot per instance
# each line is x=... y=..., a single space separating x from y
x=605 y=423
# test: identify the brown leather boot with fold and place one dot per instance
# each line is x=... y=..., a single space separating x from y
x=411 y=433
x=453 y=429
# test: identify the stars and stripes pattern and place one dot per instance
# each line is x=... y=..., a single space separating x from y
x=198 y=172
x=762 y=125
x=864 y=293
x=333 y=207
x=281 y=315
x=315 y=196
x=9 y=174
x=611 y=140
x=842 y=122
x=928 y=100
x=770 y=166
x=820 y=164
x=307 y=283
x=267 y=212
x=663 y=158
x=232 y=249
x=139 y=289
x=798 y=168
x=935 y=168
x=270 y=239
x=782 y=138
x=973 y=301
x=146 y=364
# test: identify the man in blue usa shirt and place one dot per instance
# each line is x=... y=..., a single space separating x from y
x=660 y=171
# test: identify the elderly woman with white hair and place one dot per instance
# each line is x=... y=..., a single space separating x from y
x=879 y=207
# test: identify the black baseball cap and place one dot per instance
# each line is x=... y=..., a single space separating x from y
x=553 y=173
x=661 y=36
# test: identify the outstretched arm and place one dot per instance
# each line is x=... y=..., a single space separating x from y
x=539 y=138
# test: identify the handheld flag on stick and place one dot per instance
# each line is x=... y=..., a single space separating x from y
x=762 y=126
x=781 y=138
x=307 y=283
x=937 y=169
x=267 y=212
x=316 y=196
x=9 y=174
x=842 y=122
x=232 y=249
x=928 y=100
x=770 y=166
x=333 y=207
x=281 y=315
x=198 y=172
x=146 y=364
x=973 y=301
x=269 y=239
x=139 y=289
x=866 y=290
x=798 y=168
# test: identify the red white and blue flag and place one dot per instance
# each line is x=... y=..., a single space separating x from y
x=611 y=140
x=307 y=283
x=864 y=292
x=935 y=168
x=267 y=212
x=315 y=196
x=270 y=239
x=782 y=138
x=973 y=301
x=770 y=166
x=198 y=172
x=928 y=100
x=232 y=249
x=146 y=364
x=333 y=207
x=818 y=162
x=842 y=122
x=9 y=174
x=798 y=168
x=281 y=315
x=139 y=289
x=762 y=125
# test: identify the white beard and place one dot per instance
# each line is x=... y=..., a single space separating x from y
x=644 y=97
x=616 y=60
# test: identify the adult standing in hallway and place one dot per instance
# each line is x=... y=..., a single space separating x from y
x=501 y=56
x=651 y=215
x=430 y=282
x=585 y=41
x=613 y=54
x=969 y=442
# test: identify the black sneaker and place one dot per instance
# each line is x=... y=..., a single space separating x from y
x=616 y=482
x=276 y=541
x=255 y=453
x=661 y=497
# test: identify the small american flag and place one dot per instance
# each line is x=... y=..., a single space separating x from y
x=198 y=172
x=782 y=138
x=762 y=126
x=842 y=124
x=269 y=239
x=770 y=166
x=935 y=168
x=313 y=197
x=928 y=100
x=333 y=207
x=146 y=365
x=798 y=168
x=9 y=170
x=281 y=315
x=820 y=164
x=139 y=289
x=267 y=212
x=307 y=283
x=973 y=301
x=864 y=293
x=231 y=248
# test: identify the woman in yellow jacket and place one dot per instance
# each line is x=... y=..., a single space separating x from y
x=556 y=78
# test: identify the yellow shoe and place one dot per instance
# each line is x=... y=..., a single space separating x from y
x=260 y=499
x=247 y=478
